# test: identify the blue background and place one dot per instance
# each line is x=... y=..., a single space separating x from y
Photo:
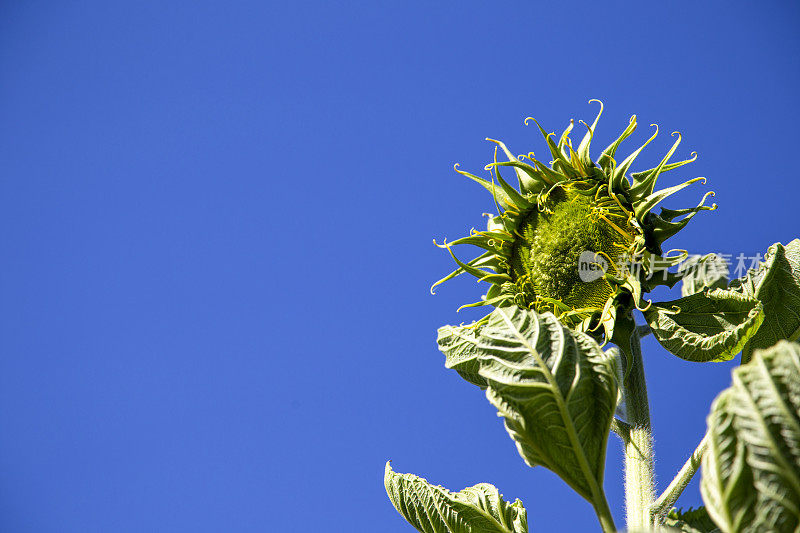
x=216 y=224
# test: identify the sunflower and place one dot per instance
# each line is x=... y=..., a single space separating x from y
x=576 y=238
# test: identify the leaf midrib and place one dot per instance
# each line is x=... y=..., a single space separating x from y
x=475 y=507
x=774 y=449
x=571 y=432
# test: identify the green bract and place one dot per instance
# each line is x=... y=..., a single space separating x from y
x=576 y=238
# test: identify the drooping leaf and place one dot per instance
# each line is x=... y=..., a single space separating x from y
x=463 y=352
x=434 y=509
x=776 y=284
x=691 y=521
x=707 y=272
x=555 y=388
x=712 y=325
x=751 y=470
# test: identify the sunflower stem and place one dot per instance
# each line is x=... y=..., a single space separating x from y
x=664 y=502
x=639 y=472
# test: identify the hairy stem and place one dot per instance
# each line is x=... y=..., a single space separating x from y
x=639 y=473
x=664 y=502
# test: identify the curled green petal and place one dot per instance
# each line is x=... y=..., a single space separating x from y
x=534 y=179
x=664 y=228
x=640 y=176
x=477 y=262
x=583 y=147
x=644 y=206
x=620 y=171
x=562 y=142
x=606 y=160
x=498 y=193
x=643 y=186
x=559 y=160
x=519 y=201
x=526 y=175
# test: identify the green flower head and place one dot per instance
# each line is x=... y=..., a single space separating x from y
x=576 y=238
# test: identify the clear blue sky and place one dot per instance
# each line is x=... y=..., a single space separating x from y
x=216 y=224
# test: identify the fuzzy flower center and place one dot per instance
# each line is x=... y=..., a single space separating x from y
x=546 y=259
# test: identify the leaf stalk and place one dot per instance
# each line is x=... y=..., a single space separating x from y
x=604 y=514
x=671 y=494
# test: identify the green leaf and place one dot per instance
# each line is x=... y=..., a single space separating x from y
x=707 y=272
x=434 y=509
x=751 y=470
x=776 y=284
x=555 y=388
x=462 y=351
x=691 y=521
x=706 y=326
